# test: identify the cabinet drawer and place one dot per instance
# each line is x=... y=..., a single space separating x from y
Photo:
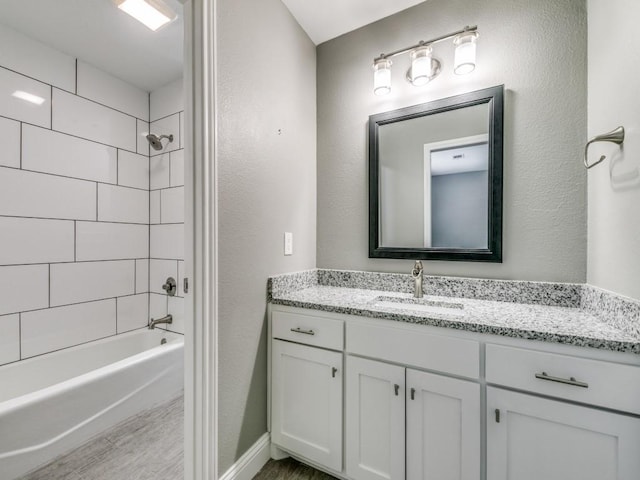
x=308 y=329
x=595 y=382
x=411 y=347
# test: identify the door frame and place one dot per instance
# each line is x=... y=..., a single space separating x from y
x=201 y=242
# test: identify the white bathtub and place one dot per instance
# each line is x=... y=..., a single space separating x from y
x=54 y=403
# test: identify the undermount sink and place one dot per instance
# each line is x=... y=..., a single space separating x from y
x=420 y=305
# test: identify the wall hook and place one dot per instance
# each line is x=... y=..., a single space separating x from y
x=615 y=136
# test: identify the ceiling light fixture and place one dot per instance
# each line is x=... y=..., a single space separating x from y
x=28 y=97
x=424 y=67
x=152 y=13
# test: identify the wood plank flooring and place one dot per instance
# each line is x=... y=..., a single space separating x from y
x=290 y=469
x=148 y=446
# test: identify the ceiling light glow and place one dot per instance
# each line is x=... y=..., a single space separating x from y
x=152 y=13
x=28 y=97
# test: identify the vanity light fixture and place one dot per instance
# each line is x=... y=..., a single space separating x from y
x=152 y=13
x=424 y=67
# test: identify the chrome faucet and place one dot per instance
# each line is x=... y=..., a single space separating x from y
x=153 y=323
x=416 y=273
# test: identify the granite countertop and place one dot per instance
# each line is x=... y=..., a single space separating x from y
x=567 y=322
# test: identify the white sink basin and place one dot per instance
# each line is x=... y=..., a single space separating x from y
x=420 y=305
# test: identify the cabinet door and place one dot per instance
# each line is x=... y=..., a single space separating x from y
x=307 y=402
x=536 y=438
x=375 y=407
x=443 y=428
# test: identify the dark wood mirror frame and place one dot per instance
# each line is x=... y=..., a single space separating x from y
x=494 y=98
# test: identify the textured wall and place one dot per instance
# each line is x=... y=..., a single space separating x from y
x=614 y=186
x=538 y=51
x=267 y=185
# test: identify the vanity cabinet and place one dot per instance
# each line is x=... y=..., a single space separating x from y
x=533 y=438
x=414 y=402
x=306 y=389
x=404 y=423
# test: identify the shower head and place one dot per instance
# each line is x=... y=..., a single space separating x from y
x=156 y=141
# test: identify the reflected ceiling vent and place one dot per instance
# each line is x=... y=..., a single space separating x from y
x=152 y=13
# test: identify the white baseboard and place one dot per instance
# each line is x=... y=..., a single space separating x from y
x=249 y=464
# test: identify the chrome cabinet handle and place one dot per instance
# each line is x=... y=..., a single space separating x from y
x=396 y=388
x=306 y=332
x=570 y=381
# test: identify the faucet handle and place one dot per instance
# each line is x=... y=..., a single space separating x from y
x=417 y=268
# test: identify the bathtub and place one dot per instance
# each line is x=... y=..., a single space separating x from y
x=56 y=402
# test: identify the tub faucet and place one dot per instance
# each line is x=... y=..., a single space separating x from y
x=153 y=323
x=416 y=273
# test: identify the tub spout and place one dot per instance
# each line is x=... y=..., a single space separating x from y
x=153 y=323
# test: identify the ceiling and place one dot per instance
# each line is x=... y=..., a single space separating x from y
x=96 y=32
x=327 y=19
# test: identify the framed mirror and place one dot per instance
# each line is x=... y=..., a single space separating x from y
x=435 y=179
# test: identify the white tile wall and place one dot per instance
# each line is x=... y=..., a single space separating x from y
x=133 y=312
x=154 y=212
x=167 y=241
x=159 y=167
x=60 y=154
x=23 y=110
x=9 y=338
x=167 y=126
x=86 y=281
x=176 y=308
x=24 y=288
x=31 y=240
x=133 y=170
x=177 y=168
x=9 y=143
x=157 y=305
x=55 y=328
x=111 y=241
x=86 y=119
x=159 y=271
x=37 y=60
x=167 y=100
x=142 y=276
x=142 y=145
x=27 y=194
x=109 y=90
x=122 y=204
x=172 y=205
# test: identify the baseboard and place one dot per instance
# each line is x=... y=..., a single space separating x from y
x=249 y=464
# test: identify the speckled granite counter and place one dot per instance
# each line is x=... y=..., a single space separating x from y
x=561 y=313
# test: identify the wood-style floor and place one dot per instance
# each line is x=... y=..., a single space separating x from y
x=148 y=446
x=290 y=469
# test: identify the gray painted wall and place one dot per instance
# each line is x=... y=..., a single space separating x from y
x=267 y=185
x=614 y=186
x=539 y=51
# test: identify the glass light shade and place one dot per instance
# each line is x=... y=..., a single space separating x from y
x=382 y=76
x=421 y=66
x=465 y=55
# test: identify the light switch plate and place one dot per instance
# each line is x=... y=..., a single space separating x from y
x=288 y=243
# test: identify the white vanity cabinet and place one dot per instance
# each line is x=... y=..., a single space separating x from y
x=428 y=403
x=306 y=390
x=529 y=437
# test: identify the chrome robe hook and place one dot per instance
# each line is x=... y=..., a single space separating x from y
x=616 y=136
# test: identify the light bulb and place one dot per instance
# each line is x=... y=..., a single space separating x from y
x=465 y=54
x=381 y=76
x=421 y=66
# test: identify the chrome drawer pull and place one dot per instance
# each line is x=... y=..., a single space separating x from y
x=306 y=332
x=571 y=381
